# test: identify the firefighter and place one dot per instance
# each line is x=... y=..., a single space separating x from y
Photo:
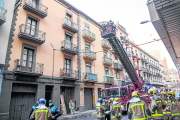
x=100 y=109
x=174 y=106
x=116 y=112
x=166 y=111
x=156 y=105
x=33 y=108
x=41 y=112
x=55 y=113
x=138 y=108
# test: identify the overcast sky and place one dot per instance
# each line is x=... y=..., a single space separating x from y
x=129 y=13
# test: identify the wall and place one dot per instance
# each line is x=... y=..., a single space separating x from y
x=5 y=28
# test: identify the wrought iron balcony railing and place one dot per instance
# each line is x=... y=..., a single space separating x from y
x=87 y=54
x=106 y=44
x=128 y=53
x=3 y=13
x=88 y=35
x=32 y=34
x=118 y=66
x=109 y=79
x=107 y=60
x=68 y=73
x=90 y=77
x=27 y=67
x=67 y=46
x=35 y=7
x=69 y=25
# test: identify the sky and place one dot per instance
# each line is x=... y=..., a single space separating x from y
x=129 y=13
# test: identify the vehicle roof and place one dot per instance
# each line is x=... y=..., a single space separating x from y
x=115 y=87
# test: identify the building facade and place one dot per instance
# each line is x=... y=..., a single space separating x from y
x=165 y=71
x=6 y=15
x=174 y=76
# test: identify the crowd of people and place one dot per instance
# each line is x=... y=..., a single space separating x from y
x=163 y=107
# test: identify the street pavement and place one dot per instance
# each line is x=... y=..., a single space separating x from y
x=93 y=117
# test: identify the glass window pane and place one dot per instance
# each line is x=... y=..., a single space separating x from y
x=29 y=58
x=30 y=52
x=30 y=64
x=24 y=63
x=25 y=51
x=24 y=57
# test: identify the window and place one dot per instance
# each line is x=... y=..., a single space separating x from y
x=173 y=80
x=124 y=91
x=27 y=58
x=31 y=27
x=68 y=41
x=87 y=48
x=117 y=75
x=86 y=27
x=34 y=3
x=132 y=88
x=67 y=65
x=106 y=71
x=88 y=67
x=68 y=17
x=105 y=53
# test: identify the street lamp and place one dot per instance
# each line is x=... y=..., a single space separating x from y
x=145 y=21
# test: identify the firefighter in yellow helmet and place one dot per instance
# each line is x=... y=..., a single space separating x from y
x=166 y=111
x=174 y=106
x=115 y=108
x=156 y=105
x=138 y=108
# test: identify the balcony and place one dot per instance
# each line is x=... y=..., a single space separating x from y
x=135 y=67
x=89 y=55
x=117 y=66
x=144 y=70
x=128 y=53
x=107 y=61
x=108 y=79
x=28 y=68
x=3 y=13
x=33 y=35
x=36 y=8
x=90 y=77
x=69 y=25
x=68 y=74
x=140 y=68
x=134 y=55
x=89 y=36
x=68 y=47
x=105 y=44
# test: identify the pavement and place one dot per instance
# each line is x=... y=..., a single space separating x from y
x=79 y=115
x=87 y=115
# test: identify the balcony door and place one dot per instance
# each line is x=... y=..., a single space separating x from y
x=27 y=60
x=87 y=49
x=31 y=27
x=67 y=67
x=68 y=43
x=86 y=27
x=34 y=3
x=106 y=71
x=117 y=75
x=69 y=19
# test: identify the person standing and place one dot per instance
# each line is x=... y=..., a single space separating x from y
x=138 y=108
x=157 y=105
x=55 y=113
x=116 y=110
x=41 y=112
x=33 y=108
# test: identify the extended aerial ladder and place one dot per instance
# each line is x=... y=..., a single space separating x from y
x=109 y=33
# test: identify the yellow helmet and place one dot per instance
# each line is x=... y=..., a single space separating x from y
x=111 y=100
x=152 y=91
x=135 y=94
x=116 y=99
x=172 y=94
x=163 y=92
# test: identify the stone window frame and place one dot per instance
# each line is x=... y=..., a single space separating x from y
x=34 y=18
x=34 y=48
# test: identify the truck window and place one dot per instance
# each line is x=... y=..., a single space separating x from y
x=132 y=89
x=124 y=91
x=115 y=92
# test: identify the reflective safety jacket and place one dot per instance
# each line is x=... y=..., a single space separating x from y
x=166 y=110
x=100 y=109
x=115 y=108
x=138 y=109
x=41 y=114
x=174 y=106
x=156 y=107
